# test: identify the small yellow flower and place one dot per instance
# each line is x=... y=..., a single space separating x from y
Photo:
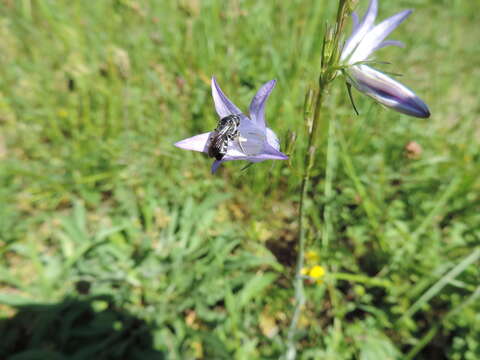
x=63 y=113
x=312 y=256
x=304 y=271
x=316 y=272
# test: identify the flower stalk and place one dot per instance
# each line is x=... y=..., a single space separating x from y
x=313 y=109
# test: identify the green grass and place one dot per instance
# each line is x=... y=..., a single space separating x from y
x=114 y=244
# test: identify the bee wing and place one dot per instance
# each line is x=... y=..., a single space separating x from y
x=218 y=140
x=215 y=144
x=223 y=131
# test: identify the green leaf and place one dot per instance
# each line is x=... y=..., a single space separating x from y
x=255 y=287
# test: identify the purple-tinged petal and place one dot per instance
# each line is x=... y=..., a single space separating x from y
x=272 y=139
x=387 y=91
x=272 y=147
x=257 y=106
x=234 y=150
x=371 y=13
x=251 y=139
x=360 y=30
x=223 y=105
x=356 y=22
x=270 y=153
x=389 y=43
x=376 y=35
x=195 y=143
x=216 y=164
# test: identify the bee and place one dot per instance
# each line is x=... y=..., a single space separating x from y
x=226 y=130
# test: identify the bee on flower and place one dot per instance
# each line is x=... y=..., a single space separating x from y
x=238 y=136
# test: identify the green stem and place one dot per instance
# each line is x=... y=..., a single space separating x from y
x=328 y=190
x=362 y=279
x=299 y=291
x=329 y=63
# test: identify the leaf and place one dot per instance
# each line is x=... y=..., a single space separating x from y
x=15 y=300
x=442 y=282
x=378 y=347
x=255 y=287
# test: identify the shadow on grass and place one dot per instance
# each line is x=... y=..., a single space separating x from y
x=75 y=329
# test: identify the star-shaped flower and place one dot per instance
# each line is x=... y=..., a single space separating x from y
x=255 y=141
x=365 y=39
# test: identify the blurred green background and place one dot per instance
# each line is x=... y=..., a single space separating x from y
x=116 y=245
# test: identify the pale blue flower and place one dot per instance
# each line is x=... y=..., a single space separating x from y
x=255 y=143
x=365 y=39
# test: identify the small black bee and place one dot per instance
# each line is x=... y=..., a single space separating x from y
x=227 y=129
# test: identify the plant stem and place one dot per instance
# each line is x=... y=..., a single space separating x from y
x=330 y=54
x=362 y=279
x=328 y=190
x=309 y=161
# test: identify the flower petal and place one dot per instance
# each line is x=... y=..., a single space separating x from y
x=360 y=30
x=270 y=153
x=272 y=139
x=223 y=105
x=375 y=36
x=257 y=106
x=356 y=22
x=195 y=143
x=389 y=43
x=252 y=138
x=273 y=155
x=272 y=148
x=387 y=91
x=216 y=164
x=234 y=150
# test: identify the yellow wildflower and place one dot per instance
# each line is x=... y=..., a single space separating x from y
x=316 y=272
